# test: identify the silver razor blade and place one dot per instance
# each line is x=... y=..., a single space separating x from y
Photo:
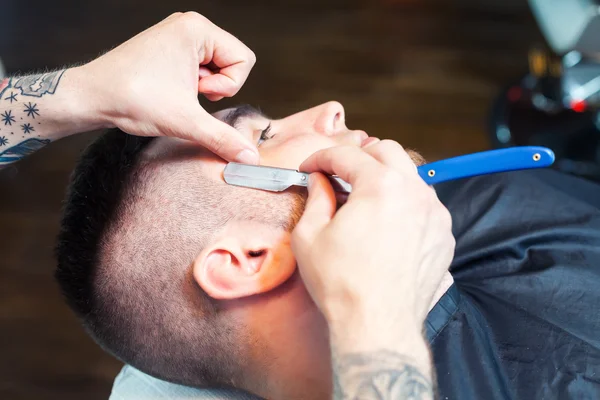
x=274 y=179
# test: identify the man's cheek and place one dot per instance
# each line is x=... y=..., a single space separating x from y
x=293 y=152
x=291 y=160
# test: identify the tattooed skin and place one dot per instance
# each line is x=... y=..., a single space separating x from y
x=7 y=117
x=31 y=110
x=21 y=122
x=12 y=97
x=382 y=375
x=23 y=149
x=39 y=85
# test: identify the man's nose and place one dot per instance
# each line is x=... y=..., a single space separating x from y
x=330 y=118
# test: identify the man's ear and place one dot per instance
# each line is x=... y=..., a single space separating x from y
x=244 y=259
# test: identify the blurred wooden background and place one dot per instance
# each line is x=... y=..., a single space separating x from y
x=423 y=72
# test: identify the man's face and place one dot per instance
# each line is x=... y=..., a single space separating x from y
x=246 y=261
x=290 y=321
x=263 y=292
x=287 y=142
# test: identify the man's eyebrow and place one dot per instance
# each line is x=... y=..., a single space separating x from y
x=244 y=111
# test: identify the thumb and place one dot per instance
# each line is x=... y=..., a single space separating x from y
x=218 y=137
x=204 y=73
x=318 y=212
x=219 y=85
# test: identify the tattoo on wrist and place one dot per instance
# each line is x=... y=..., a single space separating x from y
x=18 y=124
x=39 y=85
x=20 y=150
x=382 y=375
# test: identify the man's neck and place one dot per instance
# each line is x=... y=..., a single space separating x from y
x=283 y=381
x=279 y=377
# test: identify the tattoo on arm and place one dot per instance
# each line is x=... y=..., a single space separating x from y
x=383 y=375
x=20 y=150
x=39 y=85
x=19 y=122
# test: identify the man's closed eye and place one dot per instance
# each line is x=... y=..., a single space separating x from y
x=265 y=135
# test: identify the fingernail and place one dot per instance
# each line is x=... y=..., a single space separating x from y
x=247 y=157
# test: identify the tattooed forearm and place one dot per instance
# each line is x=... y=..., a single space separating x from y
x=382 y=375
x=39 y=85
x=24 y=125
x=20 y=150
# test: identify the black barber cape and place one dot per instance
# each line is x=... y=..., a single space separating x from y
x=522 y=319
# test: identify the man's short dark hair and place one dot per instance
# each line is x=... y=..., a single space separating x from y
x=134 y=309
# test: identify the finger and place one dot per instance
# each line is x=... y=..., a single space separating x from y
x=391 y=154
x=416 y=157
x=234 y=60
x=226 y=83
x=218 y=137
x=369 y=141
x=318 y=212
x=169 y=18
x=213 y=97
x=348 y=162
x=204 y=72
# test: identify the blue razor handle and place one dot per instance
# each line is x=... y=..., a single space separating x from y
x=486 y=162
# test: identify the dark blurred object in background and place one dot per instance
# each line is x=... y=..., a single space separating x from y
x=557 y=103
x=423 y=72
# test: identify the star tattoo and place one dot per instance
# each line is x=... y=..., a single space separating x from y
x=31 y=110
x=3 y=141
x=12 y=97
x=7 y=117
x=27 y=128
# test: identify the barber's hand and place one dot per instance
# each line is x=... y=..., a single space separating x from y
x=381 y=257
x=149 y=85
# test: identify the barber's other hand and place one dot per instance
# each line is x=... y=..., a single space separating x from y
x=149 y=85
x=380 y=258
